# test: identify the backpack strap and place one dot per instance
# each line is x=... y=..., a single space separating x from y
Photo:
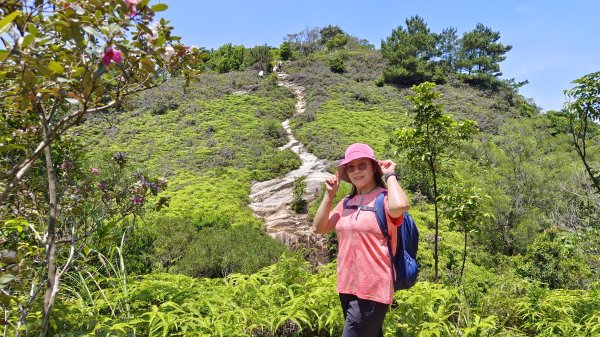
x=383 y=226
x=380 y=214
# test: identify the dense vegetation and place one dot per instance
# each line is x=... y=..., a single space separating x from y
x=190 y=259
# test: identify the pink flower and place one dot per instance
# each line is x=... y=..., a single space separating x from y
x=111 y=55
x=94 y=170
x=66 y=165
x=132 y=7
x=138 y=200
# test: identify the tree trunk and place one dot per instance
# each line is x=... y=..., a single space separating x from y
x=582 y=155
x=462 y=269
x=53 y=279
x=435 y=203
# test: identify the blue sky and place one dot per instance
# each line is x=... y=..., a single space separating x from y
x=554 y=41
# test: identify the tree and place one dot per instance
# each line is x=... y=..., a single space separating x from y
x=306 y=41
x=464 y=211
x=285 y=50
x=480 y=53
x=409 y=52
x=227 y=58
x=60 y=65
x=583 y=112
x=337 y=42
x=329 y=32
x=61 y=62
x=259 y=56
x=94 y=203
x=430 y=139
x=447 y=46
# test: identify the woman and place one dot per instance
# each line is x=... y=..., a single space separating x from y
x=365 y=282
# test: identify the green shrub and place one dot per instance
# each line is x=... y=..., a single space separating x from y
x=413 y=71
x=556 y=259
x=172 y=236
x=272 y=80
x=299 y=204
x=337 y=42
x=258 y=57
x=276 y=164
x=227 y=58
x=274 y=131
x=218 y=252
x=216 y=198
x=482 y=81
x=286 y=299
x=285 y=50
x=336 y=65
x=178 y=244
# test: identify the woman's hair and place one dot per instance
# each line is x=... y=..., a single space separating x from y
x=378 y=179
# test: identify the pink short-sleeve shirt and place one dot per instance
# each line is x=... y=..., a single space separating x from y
x=363 y=256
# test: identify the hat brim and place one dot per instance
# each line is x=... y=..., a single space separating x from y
x=342 y=169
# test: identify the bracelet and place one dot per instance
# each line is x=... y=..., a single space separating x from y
x=387 y=175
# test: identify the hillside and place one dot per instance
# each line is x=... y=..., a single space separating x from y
x=153 y=188
x=213 y=144
x=211 y=264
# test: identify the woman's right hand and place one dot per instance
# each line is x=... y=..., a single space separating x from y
x=321 y=222
x=332 y=184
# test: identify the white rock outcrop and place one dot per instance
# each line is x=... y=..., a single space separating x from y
x=272 y=199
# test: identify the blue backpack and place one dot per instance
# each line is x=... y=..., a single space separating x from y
x=404 y=265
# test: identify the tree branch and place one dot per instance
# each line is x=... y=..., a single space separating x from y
x=67 y=264
x=61 y=127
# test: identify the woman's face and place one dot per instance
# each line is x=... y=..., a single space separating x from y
x=361 y=172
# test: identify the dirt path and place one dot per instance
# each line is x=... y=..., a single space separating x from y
x=272 y=199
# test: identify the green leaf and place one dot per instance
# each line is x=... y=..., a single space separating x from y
x=55 y=67
x=11 y=147
x=159 y=7
x=29 y=78
x=5 y=299
x=32 y=29
x=114 y=28
x=160 y=40
x=93 y=31
x=78 y=9
x=7 y=20
x=6 y=278
x=78 y=71
x=27 y=40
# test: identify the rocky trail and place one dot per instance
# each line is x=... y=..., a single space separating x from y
x=272 y=199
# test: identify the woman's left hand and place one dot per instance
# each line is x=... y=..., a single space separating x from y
x=387 y=166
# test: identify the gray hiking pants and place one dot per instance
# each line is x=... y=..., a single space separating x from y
x=364 y=318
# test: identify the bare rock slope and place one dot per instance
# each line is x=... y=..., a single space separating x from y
x=272 y=199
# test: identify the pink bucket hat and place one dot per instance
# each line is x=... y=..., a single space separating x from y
x=357 y=151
